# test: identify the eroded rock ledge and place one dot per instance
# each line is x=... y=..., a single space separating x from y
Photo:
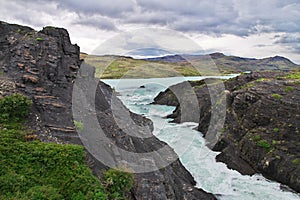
x=261 y=130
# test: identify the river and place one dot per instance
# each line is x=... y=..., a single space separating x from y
x=189 y=144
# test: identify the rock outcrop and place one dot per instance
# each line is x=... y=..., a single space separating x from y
x=261 y=129
x=43 y=66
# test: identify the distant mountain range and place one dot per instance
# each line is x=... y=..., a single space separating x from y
x=111 y=66
x=232 y=63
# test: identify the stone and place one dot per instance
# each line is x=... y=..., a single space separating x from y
x=30 y=78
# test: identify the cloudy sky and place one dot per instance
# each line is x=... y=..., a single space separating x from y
x=248 y=28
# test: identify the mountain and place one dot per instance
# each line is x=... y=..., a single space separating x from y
x=183 y=65
x=231 y=64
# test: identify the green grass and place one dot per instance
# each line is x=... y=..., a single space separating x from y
x=121 y=67
x=264 y=143
x=31 y=169
x=296 y=161
x=78 y=125
x=277 y=96
x=37 y=170
x=39 y=39
x=288 y=88
x=117 y=183
x=294 y=75
x=256 y=137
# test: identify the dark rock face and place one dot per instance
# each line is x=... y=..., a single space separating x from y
x=261 y=130
x=43 y=66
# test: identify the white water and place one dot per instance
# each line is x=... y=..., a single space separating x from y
x=189 y=144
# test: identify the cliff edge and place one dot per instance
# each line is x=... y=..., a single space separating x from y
x=43 y=66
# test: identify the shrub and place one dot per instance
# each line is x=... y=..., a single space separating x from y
x=118 y=183
x=37 y=170
x=14 y=107
x=43 y=193
x=264 y=143
x=276 y=96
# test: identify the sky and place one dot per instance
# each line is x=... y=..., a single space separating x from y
x=246 y=28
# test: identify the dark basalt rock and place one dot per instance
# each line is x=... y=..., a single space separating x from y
x=261 y=131
x=43 y=66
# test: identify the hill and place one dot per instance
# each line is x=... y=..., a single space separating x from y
x=183 y=65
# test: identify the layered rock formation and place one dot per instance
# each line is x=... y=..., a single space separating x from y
x=261 y=130
x=44 y=65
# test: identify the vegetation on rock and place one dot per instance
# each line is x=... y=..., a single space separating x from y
x=38 y=170
x=14 y=107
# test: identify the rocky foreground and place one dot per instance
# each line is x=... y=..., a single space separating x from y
x=43 y=66
x=261 y=129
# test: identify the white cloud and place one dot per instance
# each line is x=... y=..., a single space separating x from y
x=234 y=26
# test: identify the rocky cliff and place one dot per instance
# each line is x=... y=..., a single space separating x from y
x=43 y=66
x=261 y=130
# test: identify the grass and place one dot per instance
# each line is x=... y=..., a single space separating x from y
x=296 y=161
x=124 y=67
x=37 y=170
x=288 y=88
x=276 y=130
x=293 y=76
x=277 y=96
x=39 y=39
x=78 y=125
x=264 y=144
x=256 y=137
x=31 y=169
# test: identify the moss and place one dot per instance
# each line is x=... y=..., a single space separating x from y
x=264 y=143
x=288 y=88
x=275 y=142
x=39 y=39
x=223 y=130
x=256 y=137
x=14 y=107
x=42 y=170
x=276 y=96
x=78 y=125
x=38 y=170
x=294 y=76
x=118 y=183
x=262 y=80
x=296 y=161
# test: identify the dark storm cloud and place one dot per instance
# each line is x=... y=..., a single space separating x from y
x=110 y=8
x=235 y=17
x=292 y=41
x=97 y=22
x=227 y=16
